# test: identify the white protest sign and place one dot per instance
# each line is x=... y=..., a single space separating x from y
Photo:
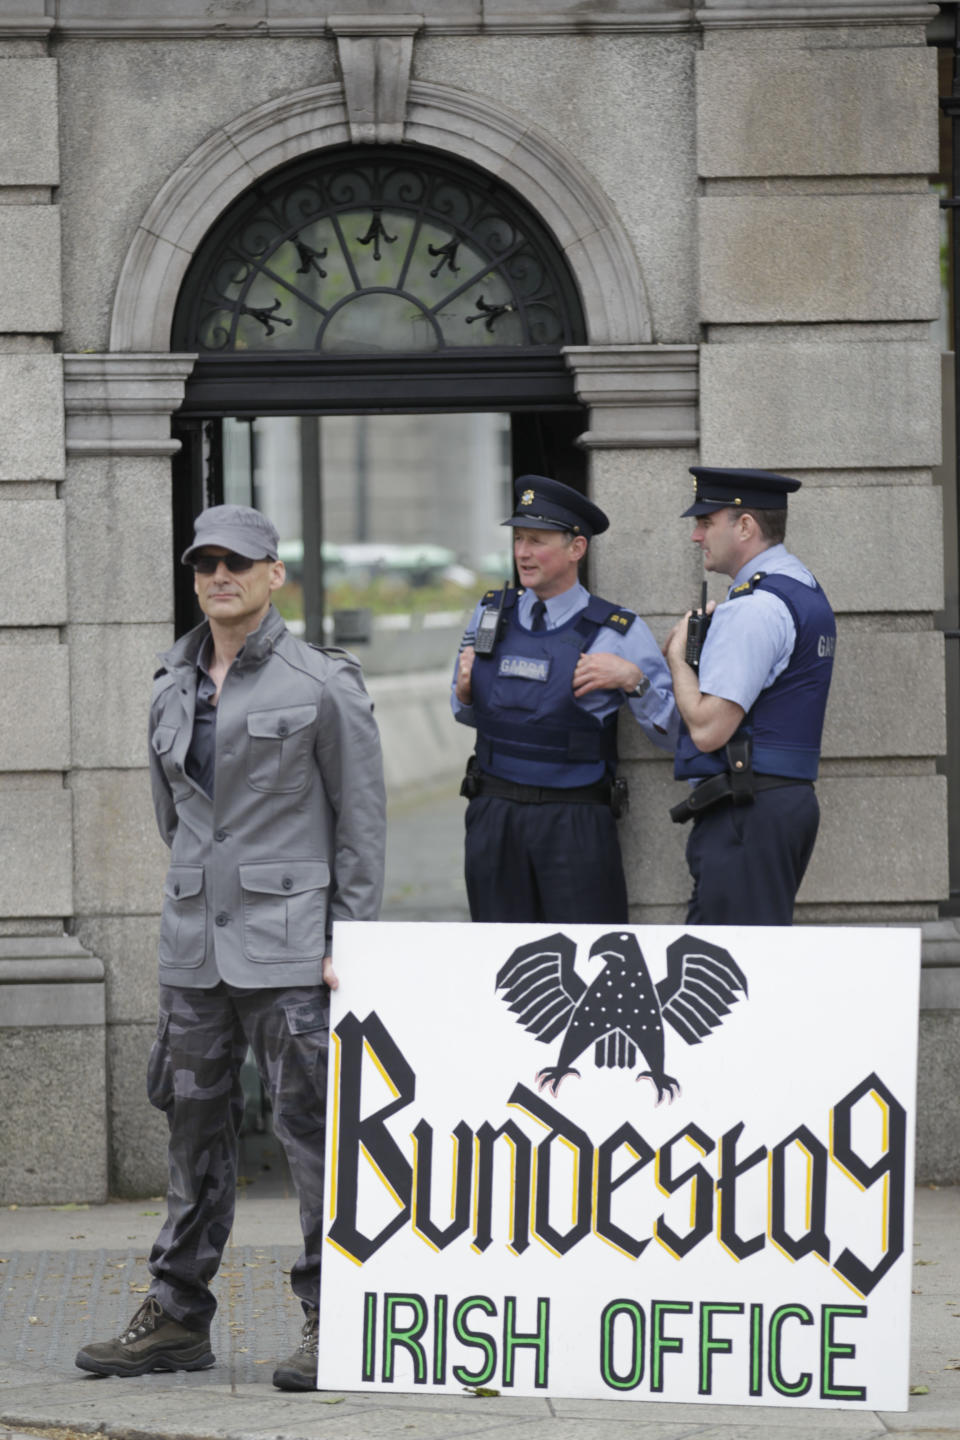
x=649 y=1162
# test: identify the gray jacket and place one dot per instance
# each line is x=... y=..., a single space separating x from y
x=294 y=836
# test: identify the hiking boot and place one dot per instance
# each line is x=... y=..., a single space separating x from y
x=152 y=1341
x=300 y=1371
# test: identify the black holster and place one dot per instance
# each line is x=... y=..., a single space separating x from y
x=737 y=783
x=470 y=784
x=740 y=771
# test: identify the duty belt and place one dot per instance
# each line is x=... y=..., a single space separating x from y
x=723 y=787
x=542 y=794
x=613 y=793
x=738 y=783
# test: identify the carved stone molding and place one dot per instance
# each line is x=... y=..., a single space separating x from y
x=152 y=20
x=640 y=396
x=375 y=54
x=775 y=14
x=565 y=195
x=121 y=404
x=49 y=981
x=231 y=19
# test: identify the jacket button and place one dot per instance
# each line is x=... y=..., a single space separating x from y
x=176 y=888
x=179 y=768
x=223 y=919
x=287 y=883
x=283 y=728
x=219 y=834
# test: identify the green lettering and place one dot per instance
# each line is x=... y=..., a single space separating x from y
x=802 y=1384
x=406 y=1337
x=475 y=1338
x=831 y=1351
x=608 y=1320
x=710 y=1345
x=660 y=1343
x=538 y=1340
x=439 y=1339
x=756 y=1349
x=368 y=1370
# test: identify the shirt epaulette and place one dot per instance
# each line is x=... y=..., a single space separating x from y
x=747 y=587
x=335 y=652
x=620 y=620
x=509 y=593
x=603 y=612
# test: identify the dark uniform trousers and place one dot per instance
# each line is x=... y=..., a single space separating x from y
x=194 y=1078
x=747 y=861
x=556 y=862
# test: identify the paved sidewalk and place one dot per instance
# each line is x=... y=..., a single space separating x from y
x=69 y=1275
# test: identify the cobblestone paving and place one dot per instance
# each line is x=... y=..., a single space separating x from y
x=52 y=1302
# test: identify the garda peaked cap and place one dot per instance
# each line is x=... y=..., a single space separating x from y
x=544 y=504
x=721 y=488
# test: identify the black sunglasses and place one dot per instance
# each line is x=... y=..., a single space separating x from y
x=207 y=564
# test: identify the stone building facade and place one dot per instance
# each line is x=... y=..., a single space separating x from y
x=741 y=194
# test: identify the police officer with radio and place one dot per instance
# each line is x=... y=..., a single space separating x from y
x=542 y=673
x=752 y=704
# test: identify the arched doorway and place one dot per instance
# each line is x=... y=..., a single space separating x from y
x=379 y=333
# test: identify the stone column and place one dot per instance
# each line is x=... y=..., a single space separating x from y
x=118 y=539
x=52 y=1074
x=816 y=293
x=642 y=436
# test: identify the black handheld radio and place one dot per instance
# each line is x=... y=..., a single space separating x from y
x=488 y=626
x=697 y=627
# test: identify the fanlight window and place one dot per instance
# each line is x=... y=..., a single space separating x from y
x=360 y=253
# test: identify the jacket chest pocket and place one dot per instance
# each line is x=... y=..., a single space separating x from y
x=162 y=742
x=284 y=909
x=183 y=922
x=280 y=745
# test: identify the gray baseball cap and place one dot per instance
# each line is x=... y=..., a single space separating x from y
x=236 y=528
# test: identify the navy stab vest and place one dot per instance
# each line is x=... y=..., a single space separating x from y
x=530 y=728
x=786 y=720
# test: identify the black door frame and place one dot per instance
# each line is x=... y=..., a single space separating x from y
x=543 y=442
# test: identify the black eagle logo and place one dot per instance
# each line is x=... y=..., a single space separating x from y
x=621 y=1011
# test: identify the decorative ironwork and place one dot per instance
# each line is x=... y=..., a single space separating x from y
x=415 y=249
x=448 y=253
x=266 y=317
x=309 y=258
x=374 y=233
x=492 y=313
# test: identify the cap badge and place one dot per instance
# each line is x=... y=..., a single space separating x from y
x=526 y=498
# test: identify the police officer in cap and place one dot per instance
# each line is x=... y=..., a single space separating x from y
x=752 y=707
x=542 y=673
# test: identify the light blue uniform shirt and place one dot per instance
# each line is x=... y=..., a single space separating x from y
x=751 y=638
x=654 y=709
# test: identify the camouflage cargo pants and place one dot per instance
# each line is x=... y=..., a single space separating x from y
x=194 y=1078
